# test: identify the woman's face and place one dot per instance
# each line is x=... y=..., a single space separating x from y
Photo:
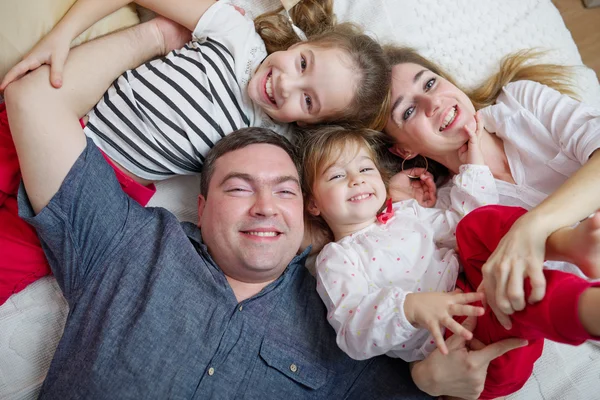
x=429 y=114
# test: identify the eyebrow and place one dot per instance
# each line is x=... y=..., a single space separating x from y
x=251 y=179
x=399 y=99
x=316 y=103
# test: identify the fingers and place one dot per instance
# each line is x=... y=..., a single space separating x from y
x=501 y=280
x=481 y=289
x=438 y=339
x=514 y=291
x=467 y=311
x=495 y=350
x=456 y=342
x=538 y=284
x=57 y=63
x=17 y=71
x=466 y=298
x=502 y=318
x=457 y=328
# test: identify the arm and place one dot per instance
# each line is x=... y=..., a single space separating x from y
x=54 y=47
x=48 y=150
x=575 y=129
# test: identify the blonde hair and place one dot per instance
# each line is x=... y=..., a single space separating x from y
x=370 y=104
x=323 y=146
x=514 y=67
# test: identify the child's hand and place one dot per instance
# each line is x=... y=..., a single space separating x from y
x=470 y=153
x=401 y=187
x=432 y=310
x=53 y=50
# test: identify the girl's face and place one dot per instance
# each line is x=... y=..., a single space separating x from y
x=349 y=193
x=428 y=114
x=305 y=84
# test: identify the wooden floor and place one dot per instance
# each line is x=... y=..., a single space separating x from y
x=584 y=24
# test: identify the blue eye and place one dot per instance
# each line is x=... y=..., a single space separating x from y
x=429 y=84
x=408 y=113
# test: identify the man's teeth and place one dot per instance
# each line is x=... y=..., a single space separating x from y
x=360 y=197
x=269 y=88
x=449 y=118
x=263 y=234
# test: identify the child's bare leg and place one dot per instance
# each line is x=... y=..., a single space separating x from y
x=579 y=245
x=589 y=310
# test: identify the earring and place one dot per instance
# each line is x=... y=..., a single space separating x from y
x=409 y=174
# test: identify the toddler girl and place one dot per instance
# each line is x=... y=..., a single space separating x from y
x=387 y=280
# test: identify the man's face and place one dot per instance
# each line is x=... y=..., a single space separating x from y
x=252 y=219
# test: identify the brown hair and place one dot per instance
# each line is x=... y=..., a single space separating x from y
x=238 y=140
x=322 y=146
x=370 y=104
x=513 y=67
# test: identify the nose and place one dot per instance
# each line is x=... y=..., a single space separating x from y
x=356 y=180
x=430 y=104
x=286 y=85
x=264 y=205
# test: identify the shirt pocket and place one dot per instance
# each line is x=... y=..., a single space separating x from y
x=294 y=365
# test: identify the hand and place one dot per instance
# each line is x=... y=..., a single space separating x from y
x=462 y=372
x=432 y=310
x=470 y=152
x=401 y=187
x=53 y=50
x=520 y=254
x=171 y=35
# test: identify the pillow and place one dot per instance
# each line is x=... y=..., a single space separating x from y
x=24 y=22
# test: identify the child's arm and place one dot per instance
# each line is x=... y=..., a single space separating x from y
x=53 y=49
x=434 y=310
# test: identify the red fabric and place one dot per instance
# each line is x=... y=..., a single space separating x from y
x=555 y=317
x=22 y=260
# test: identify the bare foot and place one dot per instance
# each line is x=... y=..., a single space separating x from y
x=584 y=246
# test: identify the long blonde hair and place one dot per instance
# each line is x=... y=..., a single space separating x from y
x=370 y=103
x=514 y=67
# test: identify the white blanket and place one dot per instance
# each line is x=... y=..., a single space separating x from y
x=467 y=38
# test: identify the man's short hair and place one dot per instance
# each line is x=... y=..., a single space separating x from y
x=238 y=140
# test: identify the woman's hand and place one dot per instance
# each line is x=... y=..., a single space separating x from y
x=462 y=372
x=53 y=50
x=401 y=187
x=519 y=255
x=470 y=153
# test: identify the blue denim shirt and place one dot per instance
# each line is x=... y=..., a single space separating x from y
x=153 y=317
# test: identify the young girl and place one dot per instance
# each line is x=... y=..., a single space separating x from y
x=161 y=118
x=387 y=279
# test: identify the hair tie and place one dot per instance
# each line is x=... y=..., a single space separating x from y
x=287 y=5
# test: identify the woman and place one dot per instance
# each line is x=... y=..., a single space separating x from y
x=540 y=145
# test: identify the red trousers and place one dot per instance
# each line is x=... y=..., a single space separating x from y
x=555 y=317
x=22 y=260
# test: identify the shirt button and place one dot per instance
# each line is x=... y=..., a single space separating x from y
x=293 y=368
x=211 y=371
x=241 y=308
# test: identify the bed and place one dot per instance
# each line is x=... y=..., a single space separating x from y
x=468 y=38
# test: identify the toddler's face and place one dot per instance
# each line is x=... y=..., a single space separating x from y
x=350 y=192
x=304 y=84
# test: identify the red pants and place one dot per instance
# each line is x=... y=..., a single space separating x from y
x=555 y=317
x=22 y=260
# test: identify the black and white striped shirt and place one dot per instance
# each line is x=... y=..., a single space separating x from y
x=161 y=118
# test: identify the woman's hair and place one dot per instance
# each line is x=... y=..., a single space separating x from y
x=514 y=67
x=322 y=146
x=370 y=104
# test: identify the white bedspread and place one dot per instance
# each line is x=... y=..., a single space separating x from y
x=467 y=38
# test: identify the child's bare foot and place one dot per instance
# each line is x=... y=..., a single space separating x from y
x=583 y=246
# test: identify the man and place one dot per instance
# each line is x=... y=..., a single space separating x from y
x=160 y=309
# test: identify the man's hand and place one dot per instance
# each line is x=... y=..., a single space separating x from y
x=401 y=187
x=462 y=372
x=433 y=310
x=170 y=34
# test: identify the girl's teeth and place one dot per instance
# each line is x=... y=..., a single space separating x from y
x=361 y=197
x=449 y=118
x=269 y=88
